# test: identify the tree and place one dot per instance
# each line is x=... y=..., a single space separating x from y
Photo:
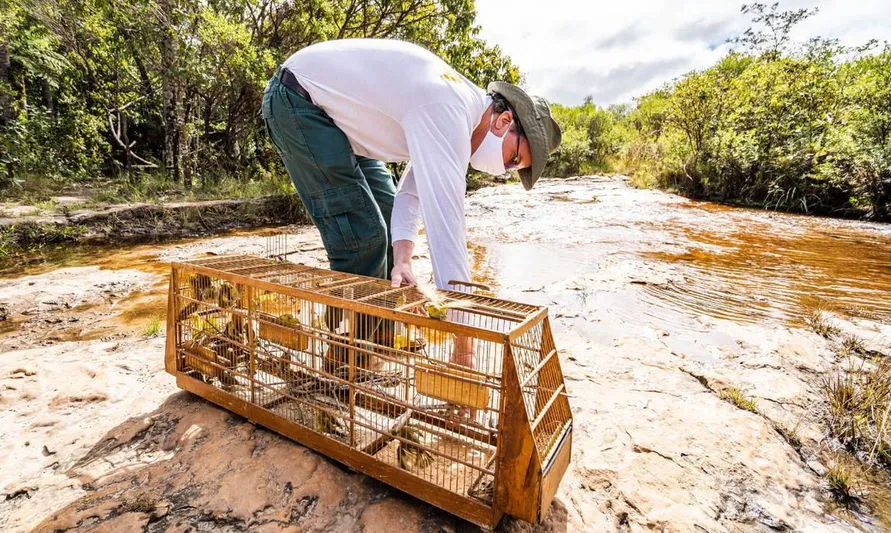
x=773 y=36
x=121 y=87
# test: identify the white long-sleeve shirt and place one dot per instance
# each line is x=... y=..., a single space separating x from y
x=396 y=101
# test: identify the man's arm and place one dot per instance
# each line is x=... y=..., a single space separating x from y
x=439 y=147
x=402 y=273
x=405 y=222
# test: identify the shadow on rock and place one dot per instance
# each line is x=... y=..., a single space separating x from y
x=192 y=465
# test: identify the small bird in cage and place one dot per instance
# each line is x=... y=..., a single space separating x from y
x=409 y=455
x=325 y=422
x=223 y=294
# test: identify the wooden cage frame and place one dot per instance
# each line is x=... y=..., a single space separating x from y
x=526 y=447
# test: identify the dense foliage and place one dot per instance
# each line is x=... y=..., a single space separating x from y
x=589 y=141
x=117 y=95
x=803 y=128
x=104 y=92
x=800 y=132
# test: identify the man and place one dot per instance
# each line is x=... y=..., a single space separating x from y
x=336 y=110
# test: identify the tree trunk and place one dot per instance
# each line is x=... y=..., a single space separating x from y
x=24 y=87
x=46 y=91
x=171 y=132
x=140 y=67
x=128 y=152
x=183 y=139
x=5 y=87
x=169 y=95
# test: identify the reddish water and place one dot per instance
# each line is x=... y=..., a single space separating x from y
x=685 y=258
x=785 y=265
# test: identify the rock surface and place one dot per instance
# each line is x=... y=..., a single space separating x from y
x=95 y=436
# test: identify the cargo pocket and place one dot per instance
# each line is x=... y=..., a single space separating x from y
x=331 y=210
x=266 y=117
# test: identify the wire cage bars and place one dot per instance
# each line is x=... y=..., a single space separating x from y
x=456 y=398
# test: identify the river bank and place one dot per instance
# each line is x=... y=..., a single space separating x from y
x=24 y=230
x=659 y=306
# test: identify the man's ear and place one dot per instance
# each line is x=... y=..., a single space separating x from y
x=502 y=123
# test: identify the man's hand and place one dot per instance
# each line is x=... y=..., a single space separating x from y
x=402 y=273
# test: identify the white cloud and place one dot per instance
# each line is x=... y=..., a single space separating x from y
x=614 y=51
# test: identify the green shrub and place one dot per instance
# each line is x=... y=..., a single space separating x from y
x=804 y=128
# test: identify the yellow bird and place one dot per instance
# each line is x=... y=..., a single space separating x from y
x=438 y=305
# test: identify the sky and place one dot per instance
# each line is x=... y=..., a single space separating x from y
x=616 y=50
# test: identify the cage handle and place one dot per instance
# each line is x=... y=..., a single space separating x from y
x=471 y=284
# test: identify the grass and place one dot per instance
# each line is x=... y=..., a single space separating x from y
x=642 y=180
x=35 y=237
x=145 y=187
x=842 y=485
x=154 y=187
x=46 y=206
x=158 y=188
x=790 y=435
x=153 y=328
x=738 y=398
x=859 y=410
x=817 y=320
x=851 y=345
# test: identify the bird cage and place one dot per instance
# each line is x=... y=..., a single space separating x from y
x=456 y=398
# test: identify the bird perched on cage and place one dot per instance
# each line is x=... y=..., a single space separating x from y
x=224 y=294
x=325 y=422
x=437 y=305
x=236 y=329
x=197 y=284
x=205 y=327
x=202 y=288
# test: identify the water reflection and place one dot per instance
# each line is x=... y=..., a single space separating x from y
x=762 y=271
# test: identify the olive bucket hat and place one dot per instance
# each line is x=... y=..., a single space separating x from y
x=542 y=132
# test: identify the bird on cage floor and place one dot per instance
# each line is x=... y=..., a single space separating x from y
x=411 y=456
x=325 y=422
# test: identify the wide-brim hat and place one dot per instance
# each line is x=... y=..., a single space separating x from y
x=542 y=132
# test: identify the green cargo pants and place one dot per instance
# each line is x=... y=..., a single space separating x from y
x=348 y=197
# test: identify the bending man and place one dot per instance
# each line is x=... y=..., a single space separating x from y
x=338 y=109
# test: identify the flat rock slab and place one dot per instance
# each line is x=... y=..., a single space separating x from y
x=190 y=465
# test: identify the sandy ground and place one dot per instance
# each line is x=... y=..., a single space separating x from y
x=95 y=436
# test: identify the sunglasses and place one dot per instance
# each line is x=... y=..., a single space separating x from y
x=515 y=160
x=518 y=130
